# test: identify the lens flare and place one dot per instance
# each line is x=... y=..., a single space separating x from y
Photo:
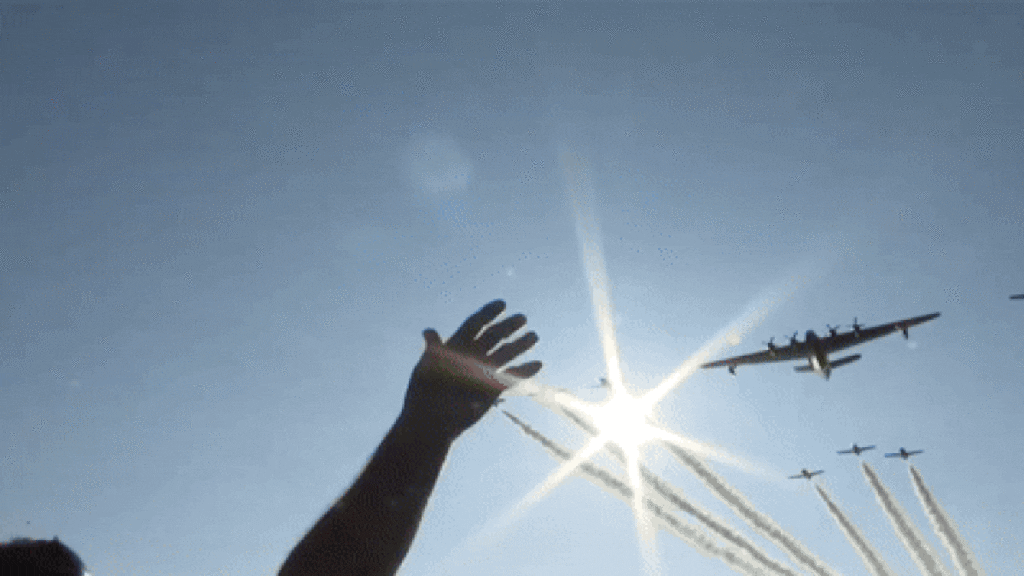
x=623 y=420
x=622 y=423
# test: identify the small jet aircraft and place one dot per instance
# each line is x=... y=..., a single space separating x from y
x=805 y=473
x=816 y=349
x=903 y=453
x=1017 y=297
x=856 y=449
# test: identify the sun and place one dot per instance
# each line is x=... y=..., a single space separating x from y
x=624 y=420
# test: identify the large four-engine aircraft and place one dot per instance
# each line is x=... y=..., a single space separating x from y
x=856 y=449
x=816 y=349
x=903 y=453
x=806 y=474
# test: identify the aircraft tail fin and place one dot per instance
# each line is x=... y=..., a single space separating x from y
x=845 y=360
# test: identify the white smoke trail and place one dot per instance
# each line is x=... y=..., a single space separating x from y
x=701 y=542
x=872 y=559
x=735 y=557
x=716 y=525
x=913 y=541
x=963 y=557
x=761 y=523
x=675 y=498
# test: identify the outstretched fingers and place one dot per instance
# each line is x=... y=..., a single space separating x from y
x=524 y=371
x=507 y=352
x=475 y=338
x=498 y=332
x=472 y=326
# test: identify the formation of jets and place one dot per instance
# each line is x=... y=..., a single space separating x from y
x=815 y=349
x=856 y=450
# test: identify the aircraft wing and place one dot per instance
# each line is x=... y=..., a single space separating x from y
x=854 y=337
x=850 y=451
x=797 y=477
x=912 y=452
x=779 y=354
x=893 y=455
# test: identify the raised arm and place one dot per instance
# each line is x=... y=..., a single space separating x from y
x=369 y=530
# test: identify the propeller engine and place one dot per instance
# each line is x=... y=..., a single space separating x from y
x=792 y=339
x=771 y=345
x=832 y=330
x=856 y=327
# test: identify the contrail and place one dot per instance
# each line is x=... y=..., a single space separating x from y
x=675 y=497
x=735 y=558
x=702 y=543
x=871 y=558
x=912 y=539
x=761 y=523
x=713 y=523
x=963 y=558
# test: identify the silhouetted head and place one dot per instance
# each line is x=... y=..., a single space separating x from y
x=27 y=557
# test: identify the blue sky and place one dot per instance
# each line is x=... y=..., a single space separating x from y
x=223 y=228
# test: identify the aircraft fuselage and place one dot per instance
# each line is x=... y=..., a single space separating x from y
x=817 y=356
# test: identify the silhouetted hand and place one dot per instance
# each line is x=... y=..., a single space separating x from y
x=456 y=382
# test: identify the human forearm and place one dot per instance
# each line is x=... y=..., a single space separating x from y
x=369 y=530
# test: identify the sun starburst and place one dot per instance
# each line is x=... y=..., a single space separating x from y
x=622 y=422
x=622 y=418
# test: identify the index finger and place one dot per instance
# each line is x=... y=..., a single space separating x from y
x=472 y=326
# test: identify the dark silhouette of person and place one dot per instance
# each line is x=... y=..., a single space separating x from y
x=27 y=557
x=368 y=531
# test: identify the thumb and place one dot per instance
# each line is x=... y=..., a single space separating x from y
x=432 y=337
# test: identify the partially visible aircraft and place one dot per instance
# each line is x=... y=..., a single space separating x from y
x=806 y=474
x=903 y=453
x=1017 y=297
x=816 y=350
x=856 y=449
